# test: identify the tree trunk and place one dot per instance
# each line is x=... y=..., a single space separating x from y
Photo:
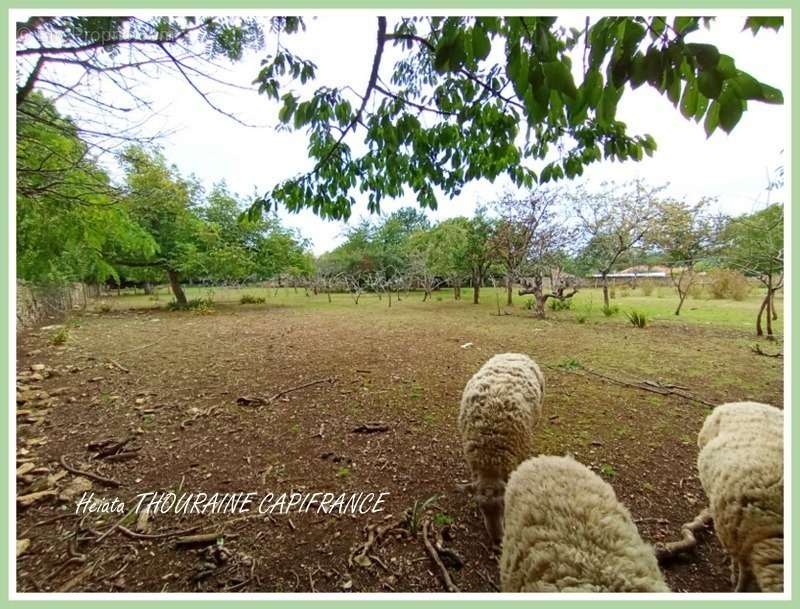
x=175 y=284
x=681 y=298
x=476 y=289
x=509 y=291
x=457 y=292
x=606 y=301
x=148 y=288
x=759 y=331
x=772 y=306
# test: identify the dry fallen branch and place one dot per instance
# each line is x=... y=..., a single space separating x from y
x=434 y=554
x=377 y=427
x=688 y=540
x=330 y=379
x=645 y=385
x=134 y=535
x=90 y=475
x=202 y=539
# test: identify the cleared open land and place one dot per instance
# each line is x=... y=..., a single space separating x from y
x=183 y=387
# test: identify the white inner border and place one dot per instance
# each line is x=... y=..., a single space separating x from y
x=15 y=15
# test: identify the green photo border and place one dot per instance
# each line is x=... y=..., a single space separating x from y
x=8 y=333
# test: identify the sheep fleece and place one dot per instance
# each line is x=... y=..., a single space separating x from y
x=565 y=531
x=500 y=407
x=741 y=470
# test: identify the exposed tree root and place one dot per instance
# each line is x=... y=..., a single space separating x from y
x=688 y=540
x=90 y=475
x=434 y=553
x=757 y=349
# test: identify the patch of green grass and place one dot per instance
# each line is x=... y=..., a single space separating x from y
x=343 y=472
x=59 y=336
x=416 y=392
x=685 y=440
x=607 y=470
x=637 y=318
x=295 y=428
x=569 y=363
x=441 y=519
x=251 y=299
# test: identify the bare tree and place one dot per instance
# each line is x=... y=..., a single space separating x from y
x=520 y=219
x=614 y=220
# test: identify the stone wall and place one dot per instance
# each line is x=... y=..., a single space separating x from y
x=37 y=304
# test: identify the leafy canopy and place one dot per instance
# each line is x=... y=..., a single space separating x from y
x=480 y=97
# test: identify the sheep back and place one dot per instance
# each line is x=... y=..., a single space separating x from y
x=500 y=407
x=741 y=469
x=565 y=531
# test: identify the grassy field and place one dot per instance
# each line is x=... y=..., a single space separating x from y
x=587 y=305
x=181 y=385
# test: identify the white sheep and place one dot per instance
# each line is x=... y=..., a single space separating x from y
x=741 y=470
x=500 y=407
x=565 y=531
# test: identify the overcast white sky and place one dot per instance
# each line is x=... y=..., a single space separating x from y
x=732 y=167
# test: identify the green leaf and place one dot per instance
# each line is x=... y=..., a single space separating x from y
x=707 y=55
x=730 y=110
x=689 y=100
x=592 y=88
x=559 y=77
x=481 y=45
x=702 y=105
x=746 y=87
x=637 y=74
x=607 y=108
x=710 y=83
x=684 y=25
x=726 y=66
x=756 y=23
x=653 y=66
x=770 y=95
x=712 y=118
x=673 y=88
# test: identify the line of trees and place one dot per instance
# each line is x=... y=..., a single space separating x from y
x=74 y=223
x=548 y=240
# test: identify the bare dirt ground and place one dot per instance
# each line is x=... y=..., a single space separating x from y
x=171 y=382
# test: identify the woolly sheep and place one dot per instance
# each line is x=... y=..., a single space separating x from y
x=565 y=531
x=500 y=407
x=741 y=470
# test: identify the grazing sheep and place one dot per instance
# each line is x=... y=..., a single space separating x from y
x=565 y=531
x=741 y=470
x=500 y=407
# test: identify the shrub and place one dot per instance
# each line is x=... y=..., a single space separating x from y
x=697 y=291
x=528 y=304
x=581 y=317
x=612 y=292
x=727 y=283
x=559 y=304
x=103 y=307
x=201 y=305
x=59 y=336
x=637 y=318
x=610 y=310
x=648 y=287
x=250 y=299
x=624 y=292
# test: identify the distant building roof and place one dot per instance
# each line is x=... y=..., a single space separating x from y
x=623 y=275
